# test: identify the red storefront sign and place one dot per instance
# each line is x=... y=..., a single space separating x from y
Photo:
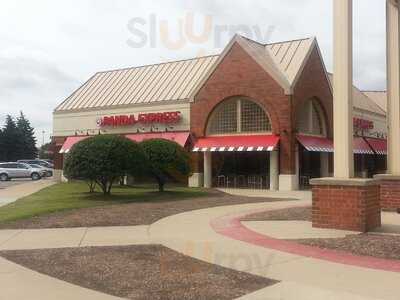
x=362 y=124
x=143 y=118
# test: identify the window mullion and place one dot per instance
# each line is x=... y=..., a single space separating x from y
x=239 y=116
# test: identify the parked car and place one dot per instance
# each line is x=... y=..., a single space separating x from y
x=13 y=170
x=40 y=162
x=49 y=172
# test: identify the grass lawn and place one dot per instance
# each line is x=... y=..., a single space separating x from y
x=67 y=196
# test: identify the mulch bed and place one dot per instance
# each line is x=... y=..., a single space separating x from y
x=140 y=272
x=287 y=214
x=130 y=214
x=376 y=245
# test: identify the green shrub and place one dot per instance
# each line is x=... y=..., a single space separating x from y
x=165 y=157
x=103 y=160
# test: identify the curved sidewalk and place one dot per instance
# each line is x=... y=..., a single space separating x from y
x=15 y=192
x=192 y=234
x=195 y=234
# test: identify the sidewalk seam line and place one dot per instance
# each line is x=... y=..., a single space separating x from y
x=83 y=237
x=10 y=238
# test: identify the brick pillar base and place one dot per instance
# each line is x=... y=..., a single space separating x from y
x=390 y=192
x=351 y=204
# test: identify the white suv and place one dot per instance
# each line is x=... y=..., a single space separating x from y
x=12 y=170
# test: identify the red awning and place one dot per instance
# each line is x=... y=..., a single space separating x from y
x=70 y=141
x=321 y=144
x=179 y=137
x=361 y=146
x=378 y=145
x=316 y=144
x=237 y=143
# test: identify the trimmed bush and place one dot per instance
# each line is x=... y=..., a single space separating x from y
x=165 y=156
x=103 y=160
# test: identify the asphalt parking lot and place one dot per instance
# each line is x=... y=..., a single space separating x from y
x=6 y=184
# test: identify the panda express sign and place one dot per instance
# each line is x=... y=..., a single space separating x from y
x=165 y=118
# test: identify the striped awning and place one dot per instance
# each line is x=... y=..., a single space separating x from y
x=237 y=143
x=378 y=145
x=322 y=144
x=316 y=144
x=360 y=146
x=179 y=137
x=70 y=141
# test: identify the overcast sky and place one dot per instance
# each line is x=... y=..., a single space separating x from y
x=49 y=48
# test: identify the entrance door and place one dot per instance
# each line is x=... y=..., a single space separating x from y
x=241 y=170
x=309 y=166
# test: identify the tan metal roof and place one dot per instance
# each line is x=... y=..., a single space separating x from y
x=361 y=101
x=291 y=56
x=379 y=97
x=172 y=81
x=180 y=80
x=284 y=66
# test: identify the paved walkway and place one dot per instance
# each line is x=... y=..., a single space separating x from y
x=284 y=195
x=191 y=234
x=20 y=190
x=20 y=283
x=196 y=234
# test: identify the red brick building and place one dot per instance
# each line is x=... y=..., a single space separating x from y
x=256 y=116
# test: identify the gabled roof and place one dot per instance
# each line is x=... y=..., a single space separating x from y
x=180 y=80
x=291 y=56
x=379 y=97
x=362 y=101
x=171 y=81
x=283 y=61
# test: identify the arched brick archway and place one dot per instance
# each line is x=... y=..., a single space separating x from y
x=321 y=110
x=202 y=109
x=229 y=103
x=315 y=109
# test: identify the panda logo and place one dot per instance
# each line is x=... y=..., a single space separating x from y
x=99 y=122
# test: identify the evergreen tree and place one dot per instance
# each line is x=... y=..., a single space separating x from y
x=28 y=148
x=11 y=140
x=2 y=152
x=46 y=151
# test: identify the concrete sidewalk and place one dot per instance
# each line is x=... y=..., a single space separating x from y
x=74 y=237
x=15 y=192
x=191 y=233
x=20 y=283
x=284 y=195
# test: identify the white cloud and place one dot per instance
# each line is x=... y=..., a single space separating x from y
x=49 y=47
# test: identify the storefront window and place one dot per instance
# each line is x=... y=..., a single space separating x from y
x=239 y=116
x=309 y=119
x=224 y=119
x=253 y=117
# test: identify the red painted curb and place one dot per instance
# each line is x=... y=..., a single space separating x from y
x=231 y=226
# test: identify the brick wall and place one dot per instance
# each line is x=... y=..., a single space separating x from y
x=57 y=143
x=313 y=83
x=390 y=195
x=239 y=75
x=346 y=207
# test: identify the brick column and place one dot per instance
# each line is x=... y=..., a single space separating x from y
x=197 y=176
x=390 y=183
x=350 y=204
x=389 y=192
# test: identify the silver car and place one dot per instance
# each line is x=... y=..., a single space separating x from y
x=49 y=172
x=13 y=170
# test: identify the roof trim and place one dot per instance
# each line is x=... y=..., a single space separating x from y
x=244 y=43
x=324 y=66
x=122 y=106
x=304 y=62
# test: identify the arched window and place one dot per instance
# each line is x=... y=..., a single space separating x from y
x=238 y=115
x=310 y=119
